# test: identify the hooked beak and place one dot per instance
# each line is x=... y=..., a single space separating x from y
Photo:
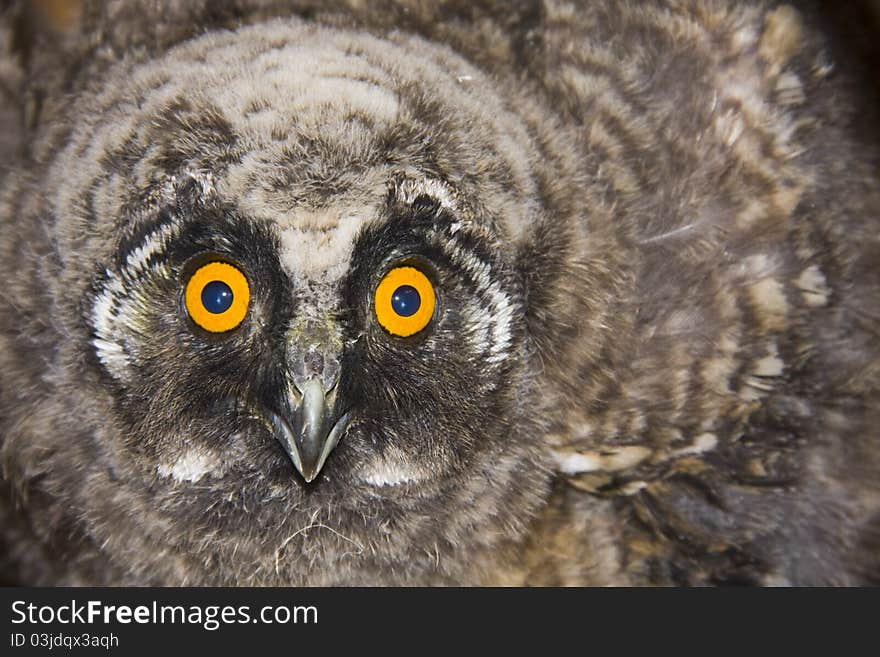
x=314 y=429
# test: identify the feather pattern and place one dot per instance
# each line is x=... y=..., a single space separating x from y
x=652 y=228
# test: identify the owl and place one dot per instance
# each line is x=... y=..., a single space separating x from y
x=438 y=293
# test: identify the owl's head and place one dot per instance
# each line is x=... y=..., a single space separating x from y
x=323 y=272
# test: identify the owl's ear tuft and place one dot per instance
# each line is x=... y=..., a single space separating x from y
x=544 y=264
x=575 y=302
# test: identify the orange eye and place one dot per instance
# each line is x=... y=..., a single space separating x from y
x=217 y=297
x=404 y=301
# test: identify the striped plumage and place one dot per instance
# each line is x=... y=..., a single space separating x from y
x=653 y=228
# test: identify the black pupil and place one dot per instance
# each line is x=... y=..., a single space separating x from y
x=217 y=297
x=406 y=301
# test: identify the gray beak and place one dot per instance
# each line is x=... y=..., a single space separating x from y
x=314 y=429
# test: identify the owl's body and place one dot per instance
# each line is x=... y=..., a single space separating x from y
x=652 y=230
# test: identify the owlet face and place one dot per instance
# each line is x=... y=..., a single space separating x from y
x=303 y=312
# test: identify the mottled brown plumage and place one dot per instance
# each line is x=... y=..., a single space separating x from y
x=654 y=232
